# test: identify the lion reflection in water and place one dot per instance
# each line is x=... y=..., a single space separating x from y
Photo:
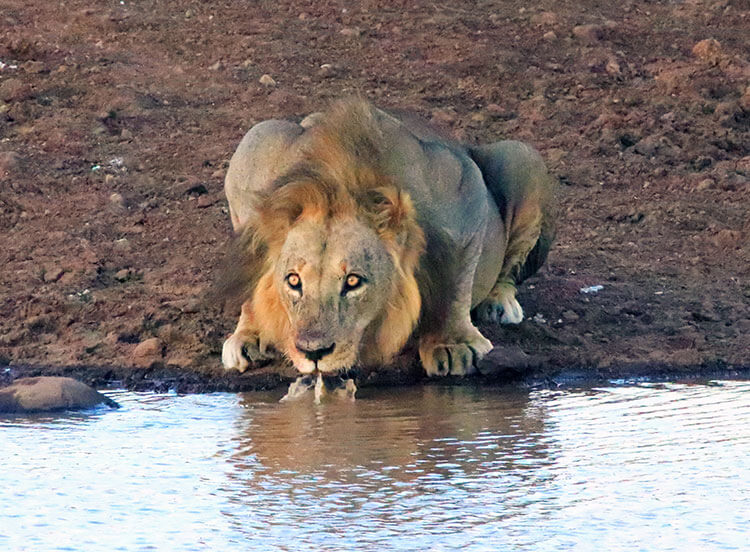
x=415 y=430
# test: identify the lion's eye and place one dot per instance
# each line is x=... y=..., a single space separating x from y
x=293 y=281
x=353 y=281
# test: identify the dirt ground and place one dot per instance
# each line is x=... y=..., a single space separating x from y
x=118 y=118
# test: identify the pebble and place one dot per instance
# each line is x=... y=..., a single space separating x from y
x=267 y=80
x=351 y=32
x=708 y=50
x=13 y=90
x=117 y=201
x=53 y=274
x=705 y=184
x=122 y=275
x=544 y=18
x=550 y=36
x=9 y=161
x=588 y=33
x=570 y=316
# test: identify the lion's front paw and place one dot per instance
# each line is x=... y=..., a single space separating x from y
x=456 y=359
x=241 y=349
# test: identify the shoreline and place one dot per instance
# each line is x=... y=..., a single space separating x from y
x=161 y=379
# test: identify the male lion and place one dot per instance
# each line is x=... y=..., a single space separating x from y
x=359 y=230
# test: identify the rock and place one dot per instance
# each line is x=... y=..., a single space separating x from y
x=125 y=134
x=588 y=33
x=328 y=70
x=53 y=274
x=443 y=117
x=117 y=202
x=267 y=80
x=206 y=201
x=123 y=275
x=569 y=316
x=708 y=50
x=544 y=18
x=504 y=359
x=550 y=36
x=705 y=184
x=147 y=352
x=44 y=394
x=9 y=162
x=648 y=146
x=350 y=32
x=613 y=67
x=13 y=90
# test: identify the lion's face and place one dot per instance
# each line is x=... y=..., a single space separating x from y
x=333 y=278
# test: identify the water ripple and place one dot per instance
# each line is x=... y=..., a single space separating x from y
x=623 y=467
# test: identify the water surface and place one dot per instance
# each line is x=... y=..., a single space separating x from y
x=625 y=467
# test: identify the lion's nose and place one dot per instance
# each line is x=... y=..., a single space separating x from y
x=314 y=353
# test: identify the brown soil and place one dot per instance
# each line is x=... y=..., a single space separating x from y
x=117 y=120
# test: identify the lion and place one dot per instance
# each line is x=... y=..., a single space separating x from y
x=359 y=231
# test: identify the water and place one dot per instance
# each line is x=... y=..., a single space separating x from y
x=640 y=467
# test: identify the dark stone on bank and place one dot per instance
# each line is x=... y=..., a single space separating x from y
x=46 y=394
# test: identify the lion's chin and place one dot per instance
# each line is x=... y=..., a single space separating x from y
x=328 y=367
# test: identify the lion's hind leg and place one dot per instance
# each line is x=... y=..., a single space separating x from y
x=518 y=181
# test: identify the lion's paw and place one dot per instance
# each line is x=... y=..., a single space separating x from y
x=240 y=350
x=455 y=359
x=506 y=310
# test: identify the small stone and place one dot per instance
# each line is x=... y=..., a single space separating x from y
x=350 y=32
x=705 y=184
x=267 y=80
x=117 y=201
x=122 y=275
x=570 y=316
x=147 y=352
x=613 y=67
x=327 y=70
x=588 y=33
x=13 y=90
x=544 y=18
x=205 y=201
x=33 y=67
x=648 y=146
x=708 y=50
x=125 y=134
x=218 y=66
x=9 y=162
x=549 y=36
x=443 y=117
x=53 y=274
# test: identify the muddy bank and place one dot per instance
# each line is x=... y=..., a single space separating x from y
x=164 y=379
x=117 y=122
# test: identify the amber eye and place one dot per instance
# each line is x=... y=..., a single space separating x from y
x=293 y=281
x=352 y=282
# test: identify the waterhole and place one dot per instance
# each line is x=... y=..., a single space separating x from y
x=622 y=467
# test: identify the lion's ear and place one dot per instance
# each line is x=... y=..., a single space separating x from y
x=395 y=219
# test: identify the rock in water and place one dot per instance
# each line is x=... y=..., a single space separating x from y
x=45 y=394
